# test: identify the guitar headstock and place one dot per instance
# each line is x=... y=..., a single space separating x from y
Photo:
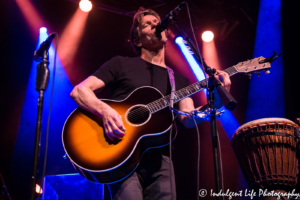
x=254 y=65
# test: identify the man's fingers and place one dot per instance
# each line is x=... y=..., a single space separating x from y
x=108 y=132
x=114 y=131
x=224 y=78
x=119 y=123
x=117 y=131
x=113 y=125
x=218 y=78
x=111 y=138
x=115 y=135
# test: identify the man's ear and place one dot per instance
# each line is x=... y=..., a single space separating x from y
x=137 y=43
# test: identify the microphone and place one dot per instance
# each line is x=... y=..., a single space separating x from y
x=162 y=25
x=38 y=54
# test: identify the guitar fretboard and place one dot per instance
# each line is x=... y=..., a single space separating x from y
x=184 y=92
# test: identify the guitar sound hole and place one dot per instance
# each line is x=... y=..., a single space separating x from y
x=138 y=115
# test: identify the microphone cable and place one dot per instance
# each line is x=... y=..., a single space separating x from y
x=170 y=152
x=219 y=149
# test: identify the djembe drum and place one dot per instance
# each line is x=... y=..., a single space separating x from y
x=266 y=151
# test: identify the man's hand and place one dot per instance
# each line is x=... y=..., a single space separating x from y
x=223 y=77
x=113 y=123
x=83 y=94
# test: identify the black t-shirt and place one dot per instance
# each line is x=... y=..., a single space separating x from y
x=123 y=75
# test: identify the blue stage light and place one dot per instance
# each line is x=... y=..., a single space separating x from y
x=185 y=49
x=42 y=37
x=266 y=93
x=228 y=121
x=62 y=106
x=43 y=30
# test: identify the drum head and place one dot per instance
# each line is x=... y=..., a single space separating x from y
x=262 y=122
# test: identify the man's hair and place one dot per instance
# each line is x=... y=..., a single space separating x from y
x=137 y=19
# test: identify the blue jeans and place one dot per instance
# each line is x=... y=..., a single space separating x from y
x=150 y=181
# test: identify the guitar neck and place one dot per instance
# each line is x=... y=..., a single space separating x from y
x=184 y=92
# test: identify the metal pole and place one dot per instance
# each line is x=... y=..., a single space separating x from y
x=42 y=80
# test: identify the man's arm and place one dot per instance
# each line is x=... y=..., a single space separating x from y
x=187 y=104
x=83 y=94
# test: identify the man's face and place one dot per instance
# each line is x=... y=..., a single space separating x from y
x=147 y=37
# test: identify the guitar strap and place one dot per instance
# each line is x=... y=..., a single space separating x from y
x=171 y=76
x=172 y=83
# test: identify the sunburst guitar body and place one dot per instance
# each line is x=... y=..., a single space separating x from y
x=101 y=160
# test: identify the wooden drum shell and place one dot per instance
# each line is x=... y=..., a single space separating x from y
x=266 y=151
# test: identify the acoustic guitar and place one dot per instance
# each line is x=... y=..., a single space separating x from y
x=147 y=119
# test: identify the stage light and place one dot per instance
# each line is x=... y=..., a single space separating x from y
x=85 y=5
x=61 y=108
x=207 y=36
x=70 y=40
x=38 y=189
x=43 y=30
x=267 y=92
x=32 y=16
x=185 y=49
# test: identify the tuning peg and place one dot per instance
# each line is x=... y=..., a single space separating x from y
x=249 y=76
x=258 y=74
x=268 y=72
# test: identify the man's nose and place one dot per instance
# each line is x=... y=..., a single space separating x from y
x=154 y=24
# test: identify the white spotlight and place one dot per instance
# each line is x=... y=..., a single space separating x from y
x=85 y=5
x=43 y=30
x=38 y=189
x=207 y=36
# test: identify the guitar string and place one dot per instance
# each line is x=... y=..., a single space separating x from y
x=161 y=103
x=143 y=112
x=158 y=104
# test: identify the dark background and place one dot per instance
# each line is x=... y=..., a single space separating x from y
x=106 y=34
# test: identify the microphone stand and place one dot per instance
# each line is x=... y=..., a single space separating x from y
x=227 y=100
x=42 y=80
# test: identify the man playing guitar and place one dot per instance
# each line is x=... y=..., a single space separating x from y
x=151 y=179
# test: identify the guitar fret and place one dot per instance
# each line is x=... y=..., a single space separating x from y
x=150 y=107
x=166 y=103
x=161 y=103
x=231 y=70
x=187 y=91
x=156 y=105
x=180 y=94
x=175 y=97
